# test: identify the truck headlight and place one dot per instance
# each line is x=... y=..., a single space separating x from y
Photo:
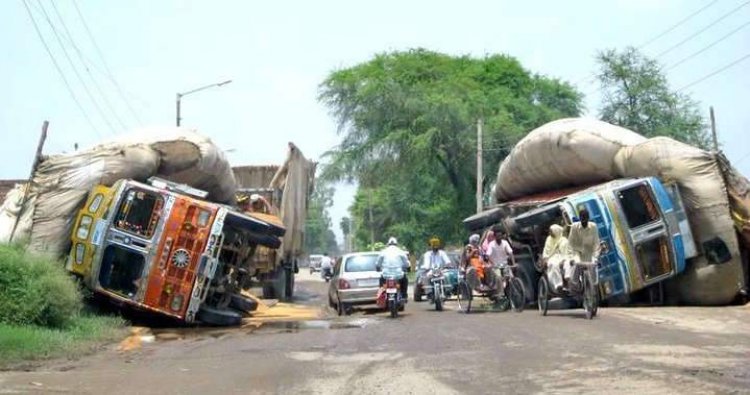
x=83 y=227
x=80 y=251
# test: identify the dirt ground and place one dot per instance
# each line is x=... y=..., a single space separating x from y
x=623 y=350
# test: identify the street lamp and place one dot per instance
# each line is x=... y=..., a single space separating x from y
x=180 y=95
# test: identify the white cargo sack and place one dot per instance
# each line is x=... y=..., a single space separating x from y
x=62 y=182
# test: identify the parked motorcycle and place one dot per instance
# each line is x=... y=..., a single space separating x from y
x=437 y=295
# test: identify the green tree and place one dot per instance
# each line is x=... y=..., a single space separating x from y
x=409 y=139
x=636 y=95
x=319 y=237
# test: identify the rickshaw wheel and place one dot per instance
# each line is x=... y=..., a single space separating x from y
x=589 y=296
x=464 y=297
x=543 y=296
x=516 y=294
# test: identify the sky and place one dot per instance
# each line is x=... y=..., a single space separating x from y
x=277 y=53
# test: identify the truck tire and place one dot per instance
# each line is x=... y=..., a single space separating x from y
x=243 y=303
x=528 y=275
x=219 y=317
x=279 y=283
x=289 y=295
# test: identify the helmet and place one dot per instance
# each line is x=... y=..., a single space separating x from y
x=254 y=197
x=392 y=241
x=435 y=242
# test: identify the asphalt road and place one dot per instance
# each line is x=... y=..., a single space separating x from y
x=638 y=350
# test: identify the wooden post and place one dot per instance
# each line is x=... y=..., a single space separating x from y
x=713 y=129
x=479 y=166
x=34 y=165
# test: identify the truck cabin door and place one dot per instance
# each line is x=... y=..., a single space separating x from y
x=647 y=231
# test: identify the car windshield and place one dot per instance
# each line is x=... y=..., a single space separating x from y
x=361 y=263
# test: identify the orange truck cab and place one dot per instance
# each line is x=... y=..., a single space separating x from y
x=161 y=247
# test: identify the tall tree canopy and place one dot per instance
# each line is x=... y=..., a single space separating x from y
x=636 y=96
x=409 y=139
x=319 y=237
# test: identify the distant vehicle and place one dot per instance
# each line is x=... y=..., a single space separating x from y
x=644 y=232
x=163 y=249
x=315 y=261
x=355 y=281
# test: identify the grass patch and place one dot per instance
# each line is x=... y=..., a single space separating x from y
x=21 y=343
x=42 y=312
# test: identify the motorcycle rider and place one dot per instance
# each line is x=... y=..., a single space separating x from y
x=326 y=266
x=436 y=258
x=393 y=262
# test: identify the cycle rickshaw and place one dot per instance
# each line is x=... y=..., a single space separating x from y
x=583 y=286
x=504 y=291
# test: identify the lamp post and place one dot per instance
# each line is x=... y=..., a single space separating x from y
x=180 y=95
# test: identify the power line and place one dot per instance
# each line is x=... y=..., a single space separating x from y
x=106 y=66
x=80 y=56
x=75 y=69
x=705 y=77
x=707 y=47
x=710 y=25
x=678 y=24
x=58 y=68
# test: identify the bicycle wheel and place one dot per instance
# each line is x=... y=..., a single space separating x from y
x=543 y=296
x=464 y=297
x=516 y=294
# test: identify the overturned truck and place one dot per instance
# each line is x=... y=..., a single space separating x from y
x=147 y=220
x=673 y=219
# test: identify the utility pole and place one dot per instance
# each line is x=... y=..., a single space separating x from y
x=479 y=165
x=713 y=129
x=34 y=165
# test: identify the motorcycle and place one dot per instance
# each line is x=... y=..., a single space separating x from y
x=327 y=274
x=437 y=295
x=393 y=295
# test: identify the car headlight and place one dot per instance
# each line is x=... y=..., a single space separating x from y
x=83 y=227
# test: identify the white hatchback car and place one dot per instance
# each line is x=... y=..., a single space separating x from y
x=355 y=281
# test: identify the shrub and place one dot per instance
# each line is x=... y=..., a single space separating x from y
x=35 y=290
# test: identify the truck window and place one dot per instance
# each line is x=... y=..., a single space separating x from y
x=139 y=212
x=638 y=205
x=121 y=270
x=653 y=256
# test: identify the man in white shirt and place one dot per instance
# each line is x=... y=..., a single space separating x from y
x=436 y=258
x=500 y=251
x=326 y=265
x=583 y=242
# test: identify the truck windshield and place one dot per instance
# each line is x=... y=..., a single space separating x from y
x=638 y=205
x=139 y=212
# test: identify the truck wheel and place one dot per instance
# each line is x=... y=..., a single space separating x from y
x=289 y=284
x=268 y=290
x=243 y=303
x=218 y=317
x=279 y=283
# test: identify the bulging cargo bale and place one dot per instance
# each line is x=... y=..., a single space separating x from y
x=61 y=182
x=577 y=151
x=560 y=154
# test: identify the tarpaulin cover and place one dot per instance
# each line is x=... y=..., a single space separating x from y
x=61 y=182
x=579 y=151
x=295 y=177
